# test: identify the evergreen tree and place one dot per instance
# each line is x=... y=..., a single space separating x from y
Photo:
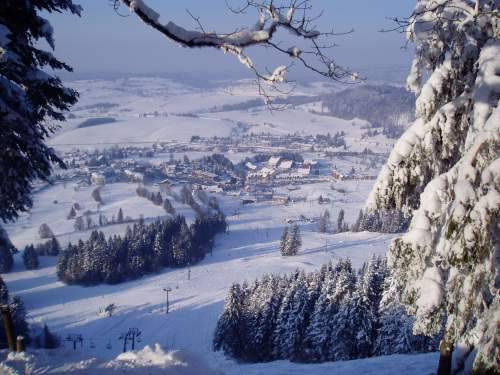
x=4 y=292
x=284 y=242
x=31 y=99
x=18 y=312
x=6 y=249
x=324 y=222
x=119 y=218
x=294 y=240
x=54 y=248
x=358 y=225
x=72 y=213
x=227 y=336
x=167 y=206
x=442 y=172
x=79 y=224
x=30 y=258
x=45 y=232
x=340 y=221
x=394 y=335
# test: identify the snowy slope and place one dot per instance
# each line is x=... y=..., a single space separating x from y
x=147 y=109
x=248 y=251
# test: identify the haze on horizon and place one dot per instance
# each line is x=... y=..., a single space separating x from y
x=104 y=42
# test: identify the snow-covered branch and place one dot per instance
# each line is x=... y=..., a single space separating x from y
x=293 y=17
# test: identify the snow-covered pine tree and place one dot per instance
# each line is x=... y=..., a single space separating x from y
x=30 y=258
x=280 y=333
x=444 y=171
x=270 y=300
x=340 y=338
x=394 y=335
x=316 y=340
x=291 y=340
x=227 y=336
x=159 y=252
x=31 y=98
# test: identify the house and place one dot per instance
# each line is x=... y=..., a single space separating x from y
x=281 y=199
x=286 y=165
x=164 y=185
x=304 y=170
x=337 y=175
x=98 y=179
x=274 y=161
x=252 y=167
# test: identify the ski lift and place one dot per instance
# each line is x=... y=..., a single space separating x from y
x=108 y=345
x=138 y=339
x=92 y=345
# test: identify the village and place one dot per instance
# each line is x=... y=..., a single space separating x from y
x=254 y=168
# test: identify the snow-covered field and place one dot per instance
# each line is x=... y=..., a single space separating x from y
x=248 y=251
x=153 y=110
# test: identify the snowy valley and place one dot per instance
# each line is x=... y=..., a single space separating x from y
x=149 y=126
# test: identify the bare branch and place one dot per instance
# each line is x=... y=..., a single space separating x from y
x=294 y=17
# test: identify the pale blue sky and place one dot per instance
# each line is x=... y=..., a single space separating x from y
x=102 y=41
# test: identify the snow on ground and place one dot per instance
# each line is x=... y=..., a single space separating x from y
x=154 y=360
x=148 y=109
x=248 y=251
x=143 y=130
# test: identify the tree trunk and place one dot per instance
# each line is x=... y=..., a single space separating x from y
x=445 y=351
x=9 y=327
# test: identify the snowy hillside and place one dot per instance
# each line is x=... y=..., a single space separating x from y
x=143 y=113
x=146 y=110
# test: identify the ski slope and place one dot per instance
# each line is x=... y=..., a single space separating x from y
x=248 y=251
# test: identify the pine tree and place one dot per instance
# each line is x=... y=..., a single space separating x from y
x=340 y=221
x=30 y=258
x=284 y=242
x=72 y=213
x=4 y=292
x=167 y=206
x=79 y=224
x=394 y=335
x=6 y=249
x=324 y=222
x=47 y=339
x=358 y=225
x=33 y=95
x=294 y=240
x=45 y=232
x=119 y=218
x=442 y=172
x=227 y=336
x=18 y=312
